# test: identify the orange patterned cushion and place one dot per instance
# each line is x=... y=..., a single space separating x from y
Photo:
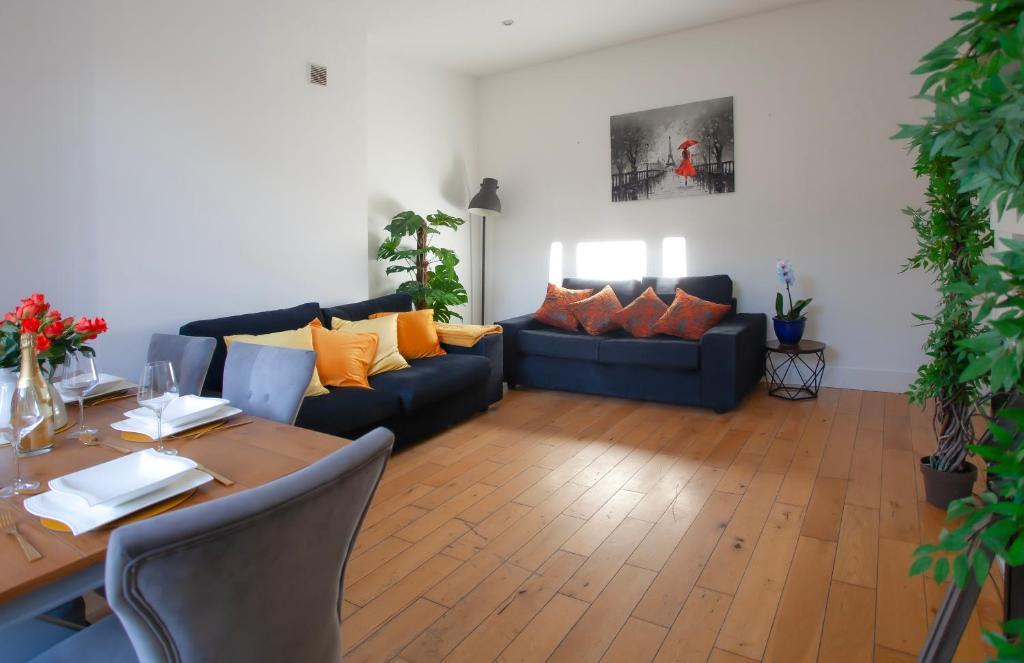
x=640 y=316
x=597 y=313
x=689 y=317
x=555 y=312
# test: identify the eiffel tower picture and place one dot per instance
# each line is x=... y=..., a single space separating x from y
x=706 y=163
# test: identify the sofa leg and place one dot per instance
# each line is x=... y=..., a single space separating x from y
x=720 y=410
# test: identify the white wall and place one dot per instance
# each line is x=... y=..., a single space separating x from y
x=47 y=225
x=189 y=154
x=422 y=144
x=818 y=89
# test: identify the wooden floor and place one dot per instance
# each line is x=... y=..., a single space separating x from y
x=573 y=528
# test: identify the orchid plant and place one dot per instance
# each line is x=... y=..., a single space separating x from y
x=787 y=277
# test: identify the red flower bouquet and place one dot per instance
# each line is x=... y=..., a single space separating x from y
x=56 y=335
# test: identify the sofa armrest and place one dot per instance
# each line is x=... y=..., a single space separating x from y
x=511 y=329
x=732 y=359
x=491 y=348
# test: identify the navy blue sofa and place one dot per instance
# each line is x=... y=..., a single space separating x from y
x=714 y=372
x=414 y=403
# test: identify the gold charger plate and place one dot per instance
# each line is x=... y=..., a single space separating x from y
x=198 y=430
x=141 y=514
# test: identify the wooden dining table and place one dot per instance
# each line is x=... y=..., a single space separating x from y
x=249 y=455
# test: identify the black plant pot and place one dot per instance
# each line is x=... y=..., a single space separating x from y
x=941 y=488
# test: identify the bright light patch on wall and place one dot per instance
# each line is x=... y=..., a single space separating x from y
x=611 y=260
x=673 y=256
x=555 y=264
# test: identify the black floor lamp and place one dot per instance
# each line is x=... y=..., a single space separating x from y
x=484 y=204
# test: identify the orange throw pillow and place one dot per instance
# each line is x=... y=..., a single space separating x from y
x=689 y=317
x=641 y=315
x=597 y=313
x=417 y=335
x=343 y=359
x=555 y=312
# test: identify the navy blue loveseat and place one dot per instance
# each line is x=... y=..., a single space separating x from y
x=414 y=403
x=714 y=372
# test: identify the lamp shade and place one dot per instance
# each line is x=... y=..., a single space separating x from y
x=486 y=203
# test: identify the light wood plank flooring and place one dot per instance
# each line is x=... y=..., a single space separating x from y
x=565 y=527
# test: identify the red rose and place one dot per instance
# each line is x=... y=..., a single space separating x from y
x=100 y=325
x=67 y=322
x=54 y=329
x=39 y=299
x=11 y=318
x=42 y=343
x=26 y=311
x=82 y=325
x=30 y=325
x=54 y=314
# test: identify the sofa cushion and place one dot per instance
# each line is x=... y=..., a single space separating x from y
x=717 y=289
x=395 y=303
x=690 y=317
x=432 y=379
x=626 y=291
x=656 y=351
x=265 y=322
x=554 y=310
x=640 y=317
x=551 y=343
x=348 y=408
x=597 y=312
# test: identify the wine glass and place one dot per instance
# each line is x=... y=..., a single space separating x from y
x=75 y=377
x=26 y=415
x=157 y=388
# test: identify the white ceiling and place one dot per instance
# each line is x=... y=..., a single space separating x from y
x=468 y=36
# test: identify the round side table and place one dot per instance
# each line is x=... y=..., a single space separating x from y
x=804 y=361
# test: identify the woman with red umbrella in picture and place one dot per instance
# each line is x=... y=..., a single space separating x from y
x=686 y=169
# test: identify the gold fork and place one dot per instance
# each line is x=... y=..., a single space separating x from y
x=9 y=526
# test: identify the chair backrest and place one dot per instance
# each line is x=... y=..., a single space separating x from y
x=267 y=382
x=190 y=356
x=255 y=576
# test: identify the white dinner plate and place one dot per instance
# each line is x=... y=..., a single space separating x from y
x=122 y=479
x=180 y=411
x=148 y=428
x=108 y=384
x=81 y=518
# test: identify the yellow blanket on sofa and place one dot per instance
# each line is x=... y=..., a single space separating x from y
x=465 y=336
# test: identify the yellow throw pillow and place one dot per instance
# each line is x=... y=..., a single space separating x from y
x=388 y=357
x=417 y=336
x=300 y=339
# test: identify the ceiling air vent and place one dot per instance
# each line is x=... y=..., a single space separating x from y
x=318 y=74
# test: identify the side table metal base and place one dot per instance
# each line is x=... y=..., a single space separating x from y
x=784 y=363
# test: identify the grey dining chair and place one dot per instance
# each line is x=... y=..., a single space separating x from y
x=190 y=356
x=267 y=382
x=256 y=576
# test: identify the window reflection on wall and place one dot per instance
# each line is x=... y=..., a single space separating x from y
x=673 y=256
x=555 y=264
x=611 y=260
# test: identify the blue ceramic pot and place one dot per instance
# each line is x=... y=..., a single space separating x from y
x=789 y=332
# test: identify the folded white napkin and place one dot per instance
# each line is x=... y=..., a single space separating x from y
x=180 y=410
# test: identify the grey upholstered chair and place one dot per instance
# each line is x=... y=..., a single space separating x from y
x=190 y=356
x=255 y=576
x=267 y=382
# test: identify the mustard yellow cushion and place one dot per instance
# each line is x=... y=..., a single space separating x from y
x=417 y=336
x=388 y=358
x=300 y=339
